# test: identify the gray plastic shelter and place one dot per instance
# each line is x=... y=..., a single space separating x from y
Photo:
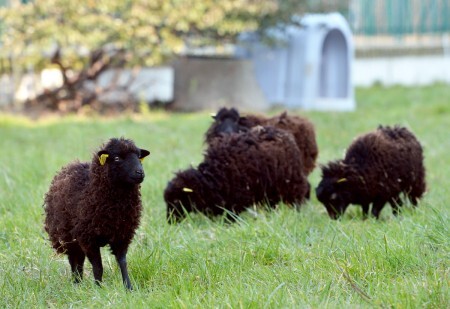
x=312 y=70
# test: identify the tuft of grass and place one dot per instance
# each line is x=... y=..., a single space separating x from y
x=268 y=258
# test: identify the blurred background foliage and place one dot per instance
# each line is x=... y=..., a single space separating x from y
x=82 y=39
x=149 y=32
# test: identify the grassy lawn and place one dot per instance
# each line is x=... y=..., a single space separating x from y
x=276 y=259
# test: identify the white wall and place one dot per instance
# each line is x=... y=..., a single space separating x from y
x=407 y=70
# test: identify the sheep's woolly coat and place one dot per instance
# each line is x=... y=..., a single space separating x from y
x=90 y=205
x=229 y=120
x=377 y=168
x=262 y=165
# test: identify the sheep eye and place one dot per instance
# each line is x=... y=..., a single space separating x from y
x=116 y=159
x=333 y=196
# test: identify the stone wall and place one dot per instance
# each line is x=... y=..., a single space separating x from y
x=211 y=83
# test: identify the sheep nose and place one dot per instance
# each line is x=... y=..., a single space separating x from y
x=140 y=173
x=228 y=130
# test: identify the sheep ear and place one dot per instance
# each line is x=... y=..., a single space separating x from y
x=143 y=154
x=102 y=156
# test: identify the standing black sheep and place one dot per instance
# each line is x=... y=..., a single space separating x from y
x=377 y=168
x=229 y=120
x=262 y=165
x=90 y=205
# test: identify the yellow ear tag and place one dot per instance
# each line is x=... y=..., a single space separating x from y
x=341 y=180
x=187 y=190
x=103 y=158
x=141 y=159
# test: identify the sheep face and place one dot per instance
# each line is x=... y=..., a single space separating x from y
x=333 y=195
x=226 y=121
x=124 y=167
x=180 y=196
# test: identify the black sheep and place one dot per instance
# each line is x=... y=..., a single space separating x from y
x=262 y=165
x=90 y=205
x=377 y=168
x=229 y=120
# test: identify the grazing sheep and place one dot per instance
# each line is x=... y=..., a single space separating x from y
x=239 y=170
x=229 y=120
x=377 y=168
x=90 y=205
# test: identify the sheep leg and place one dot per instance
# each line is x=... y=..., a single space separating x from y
x=308 y=191
x=96 y=260
x=121 y=258
x=414 y=198
x=394 y=208
x=76 y=260
x=395 y=202
x=417 y=191
x=365 y=208
x=377 y=207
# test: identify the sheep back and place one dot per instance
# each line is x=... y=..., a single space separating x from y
x=304 y=134
x=262 y=165
x=229 y=120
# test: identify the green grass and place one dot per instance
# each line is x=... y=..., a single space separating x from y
x=280 y=259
